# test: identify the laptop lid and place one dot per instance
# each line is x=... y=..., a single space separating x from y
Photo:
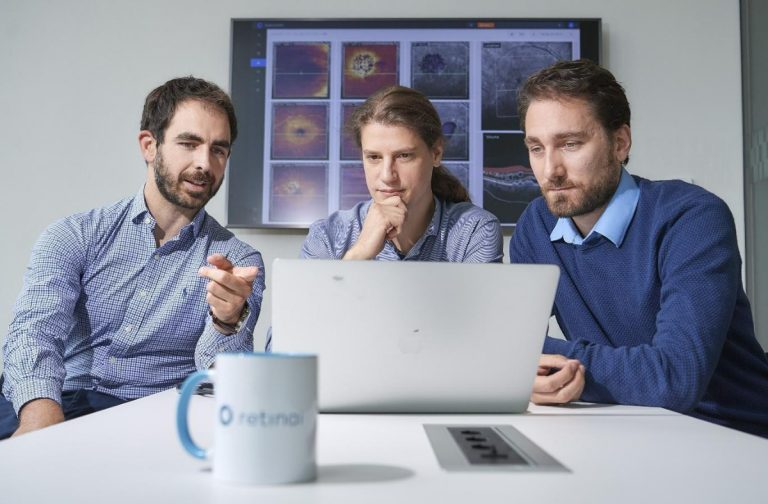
x=421 y=337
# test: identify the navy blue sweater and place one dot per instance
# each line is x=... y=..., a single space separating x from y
x=663 y=319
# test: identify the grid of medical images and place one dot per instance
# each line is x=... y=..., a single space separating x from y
x=314 y=165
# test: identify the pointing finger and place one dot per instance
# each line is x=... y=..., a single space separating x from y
x=220 y=261
x=248 y=273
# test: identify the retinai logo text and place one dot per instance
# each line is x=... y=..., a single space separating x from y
x=228 y=416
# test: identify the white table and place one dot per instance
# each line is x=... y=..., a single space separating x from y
x=131 y=454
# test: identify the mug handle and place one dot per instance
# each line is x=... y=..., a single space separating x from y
x=182 y=421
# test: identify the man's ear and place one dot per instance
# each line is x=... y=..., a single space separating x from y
x=148 y=145
x=622 y=141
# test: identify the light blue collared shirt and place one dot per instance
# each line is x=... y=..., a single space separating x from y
x=458 y=232
x=612 y=224
x=104 y=308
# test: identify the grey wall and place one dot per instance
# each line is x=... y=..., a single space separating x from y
x=73 y=76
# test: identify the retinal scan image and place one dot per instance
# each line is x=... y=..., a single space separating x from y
x=454 y=117
x=508 y=181
x=300 y=131
x=368 y=67
x=353 y=186
x=299 y=192
x=506 y=65
x=349 y=148
x=440 y=70
x=301 y=70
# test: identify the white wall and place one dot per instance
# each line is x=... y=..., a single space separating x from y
x=73 y=76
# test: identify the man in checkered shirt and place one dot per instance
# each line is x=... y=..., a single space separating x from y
x=126 y=300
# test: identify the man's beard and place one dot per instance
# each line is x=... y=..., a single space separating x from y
x=172 y=191
x=590 y=198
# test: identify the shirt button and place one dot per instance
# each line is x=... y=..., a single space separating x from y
x=128 y=328
x=147 y=220
x=157 y=256
x=112 y=360
x=142 y=293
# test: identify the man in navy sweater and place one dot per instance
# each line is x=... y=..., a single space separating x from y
x=650 y=297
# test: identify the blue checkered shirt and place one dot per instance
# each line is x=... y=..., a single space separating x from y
x=103 y=308
x=458 y=232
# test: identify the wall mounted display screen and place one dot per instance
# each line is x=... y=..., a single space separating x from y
x=295 y=83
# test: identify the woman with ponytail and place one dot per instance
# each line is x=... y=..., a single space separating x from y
x=418 y=210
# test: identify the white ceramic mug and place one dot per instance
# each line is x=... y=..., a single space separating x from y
x=266 y=417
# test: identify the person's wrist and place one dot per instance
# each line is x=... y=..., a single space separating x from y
x=39 y=413
x=361 y=250
x=228 y=328
x=352 y=255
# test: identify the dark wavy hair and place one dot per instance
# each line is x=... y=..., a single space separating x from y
x=402 y=106
x=581 y=79
x=162 y=102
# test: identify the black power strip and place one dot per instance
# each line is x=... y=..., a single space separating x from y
x=487 y=448
x=482 y=445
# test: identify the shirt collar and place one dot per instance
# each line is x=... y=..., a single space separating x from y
x=614 y=221
x=197 y=222
x=139 y=210
x=434 y=225
x=139 y=213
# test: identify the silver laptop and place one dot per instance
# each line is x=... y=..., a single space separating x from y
x=415 y=337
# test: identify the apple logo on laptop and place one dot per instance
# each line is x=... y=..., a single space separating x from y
x=411 y=343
